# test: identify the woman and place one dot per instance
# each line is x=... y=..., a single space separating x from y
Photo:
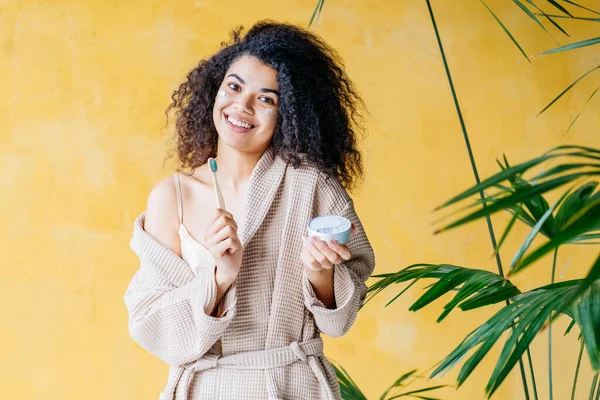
x=235 y=300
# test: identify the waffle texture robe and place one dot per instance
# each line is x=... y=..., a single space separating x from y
x=266 y=344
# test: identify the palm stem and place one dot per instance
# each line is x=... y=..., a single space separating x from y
x=577 y=370
x=593 y=388
x=535 y=395
x=550 y=333
x=474 y=168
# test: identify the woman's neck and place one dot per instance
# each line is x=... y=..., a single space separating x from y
x=234 y=167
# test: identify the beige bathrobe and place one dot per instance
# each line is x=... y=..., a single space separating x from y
x=267 y=343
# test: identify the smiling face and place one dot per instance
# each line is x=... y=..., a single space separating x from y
x=245 y=111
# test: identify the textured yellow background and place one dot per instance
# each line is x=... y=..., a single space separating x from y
x=83 y=88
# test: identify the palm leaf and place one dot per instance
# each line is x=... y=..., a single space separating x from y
x=577 y=5
x=579 y=357
x=575 y=18
x=587 y=316
x=586 y=220
x=537 y=206
x=517 y=197
x=568 y=88
x=580 y=111
x=348 y=387
x=512 y=38
x=585 y=239
x=536 y=228
x=530 y=14
x=572 y=46
x=549 y=18
x=525 y=317
x=592 y=277
x=517 y=170
x=558 y=6
x=578 y=221
x=517 y=213
x=573 y=204
x=316 y=13
x=350 y=391
x=474 y=288
x=593 y=387
x=413 y=393
x=523 y=215
x=399 y=382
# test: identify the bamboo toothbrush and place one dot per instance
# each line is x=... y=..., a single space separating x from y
x=212 y=163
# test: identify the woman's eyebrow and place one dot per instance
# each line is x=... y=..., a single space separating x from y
x=263 y=90
x=237 y=77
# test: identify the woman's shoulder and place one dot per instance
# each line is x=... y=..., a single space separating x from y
x=162 y=195
x=161 y=216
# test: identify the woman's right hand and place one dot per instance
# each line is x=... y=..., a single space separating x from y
x=222 y=240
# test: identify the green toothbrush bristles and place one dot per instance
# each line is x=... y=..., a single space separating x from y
x=212 y=163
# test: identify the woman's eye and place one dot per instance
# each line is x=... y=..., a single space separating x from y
x=267 y=100
x=233 y=86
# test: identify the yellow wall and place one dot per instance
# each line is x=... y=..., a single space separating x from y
x=83 y=88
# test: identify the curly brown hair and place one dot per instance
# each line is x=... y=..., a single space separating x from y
x=319 y=114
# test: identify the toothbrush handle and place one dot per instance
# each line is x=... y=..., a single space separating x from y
x=220 y=200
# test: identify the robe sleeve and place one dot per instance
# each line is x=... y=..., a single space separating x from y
x=169 y=307
x=349 y=279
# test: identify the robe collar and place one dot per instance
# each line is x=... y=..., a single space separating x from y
x=264 y=182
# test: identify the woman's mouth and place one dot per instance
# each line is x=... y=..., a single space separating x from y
x=238 y=125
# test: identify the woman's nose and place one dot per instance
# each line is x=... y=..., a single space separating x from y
x=243 y=104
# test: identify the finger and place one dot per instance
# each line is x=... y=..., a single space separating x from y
x=340 y=249
x=354 y=230
x=226 y=232
x=332 y=256
x=226 y=245
x=218 y=224
x=222 y=213
x=318 y=256
x=309 y=261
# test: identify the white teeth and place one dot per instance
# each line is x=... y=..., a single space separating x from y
x=236 y=122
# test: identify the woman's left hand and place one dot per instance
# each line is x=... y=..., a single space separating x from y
x=318 y=255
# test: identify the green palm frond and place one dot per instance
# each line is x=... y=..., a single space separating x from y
x=350 y=390
x=574 y=18
x=567 y=151
x=316 y=13
x=399 y=383
x=523 y=320
x=582 y=108
x=505 y=29
x=549 y=18
x=575 y=202
x=580 y=6
x=568 y=88
x=587 y=316
x=538 y=11
x=531 y=15
x=573 y=46
x=474 y=288
x=574 y=218
x=583 y=222
x=348 y=387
